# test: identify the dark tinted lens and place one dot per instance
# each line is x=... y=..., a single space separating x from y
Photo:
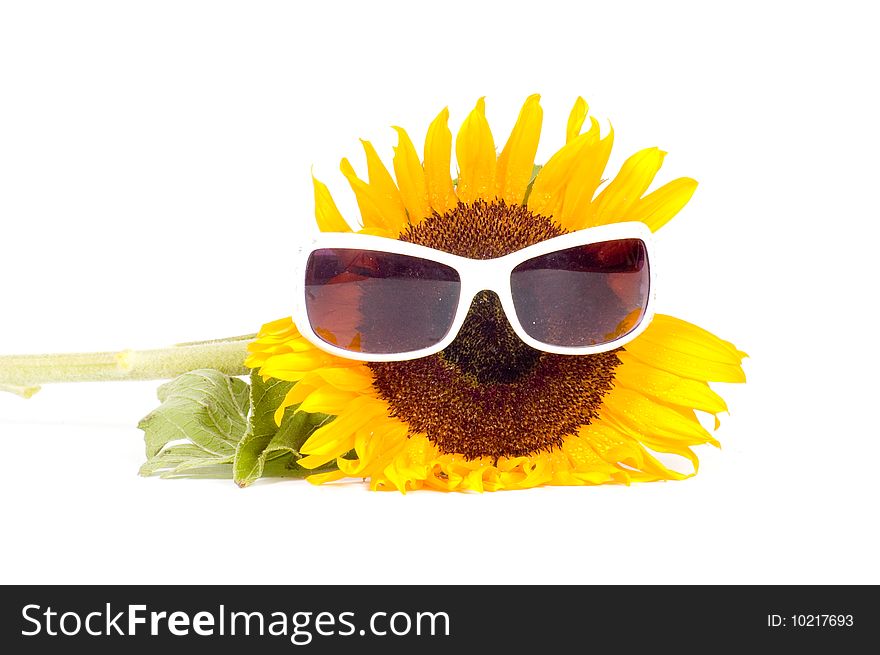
x=583 y=296
x=378 y=302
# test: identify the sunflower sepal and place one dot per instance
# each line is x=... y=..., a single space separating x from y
x=536 y=168
x=269 y=449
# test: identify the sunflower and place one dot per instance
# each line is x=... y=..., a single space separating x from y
x=490 y=412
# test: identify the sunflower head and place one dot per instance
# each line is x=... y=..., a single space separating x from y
x=490 y=412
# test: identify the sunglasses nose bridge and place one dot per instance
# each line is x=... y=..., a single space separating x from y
x=482 y=275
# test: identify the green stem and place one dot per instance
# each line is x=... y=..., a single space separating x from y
x=22 y=374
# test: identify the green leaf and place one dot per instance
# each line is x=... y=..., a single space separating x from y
x=248 y=464
x=295 y=428
x=187 y=461
x=269 y=450
x=212 y=425
x=195 y=431
x=266 y=398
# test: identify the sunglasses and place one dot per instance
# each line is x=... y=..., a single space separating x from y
x=376 y=299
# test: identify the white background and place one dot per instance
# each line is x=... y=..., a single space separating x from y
x=154 y=177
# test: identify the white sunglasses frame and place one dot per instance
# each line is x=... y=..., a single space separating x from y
x=476 y=275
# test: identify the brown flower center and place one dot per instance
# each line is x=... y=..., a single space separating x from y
x=490 y=394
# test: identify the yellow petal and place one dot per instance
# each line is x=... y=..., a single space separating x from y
x=329 y=476
x=272 y=346
x=565 y=474
x=378 y=200
x=652 y=423
x=612 y=445
x=658 y=207
x=291 y=366
x=410 y=178
x=325 y=439
x=666 y=387
x=357 y=379
x=627 y=187
x=283 y=326
x=293 y=397
x=475 y=152
x=385 y=190
x=586 y=175
x=319 y=459
x=266 y=348
x=378 y=232
x=410 y=467
x=327 y=400
x=549 y=188
x=528 y=472
x=280 y=343
x=576 y=119
x=551 y=179
x=375 y=445
x=686 y=350
x=327 y=215
x=332 y=442
x=517 y=160
x=438 y=155
x=298 y=393
x=582 y=453
x=371 y=214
